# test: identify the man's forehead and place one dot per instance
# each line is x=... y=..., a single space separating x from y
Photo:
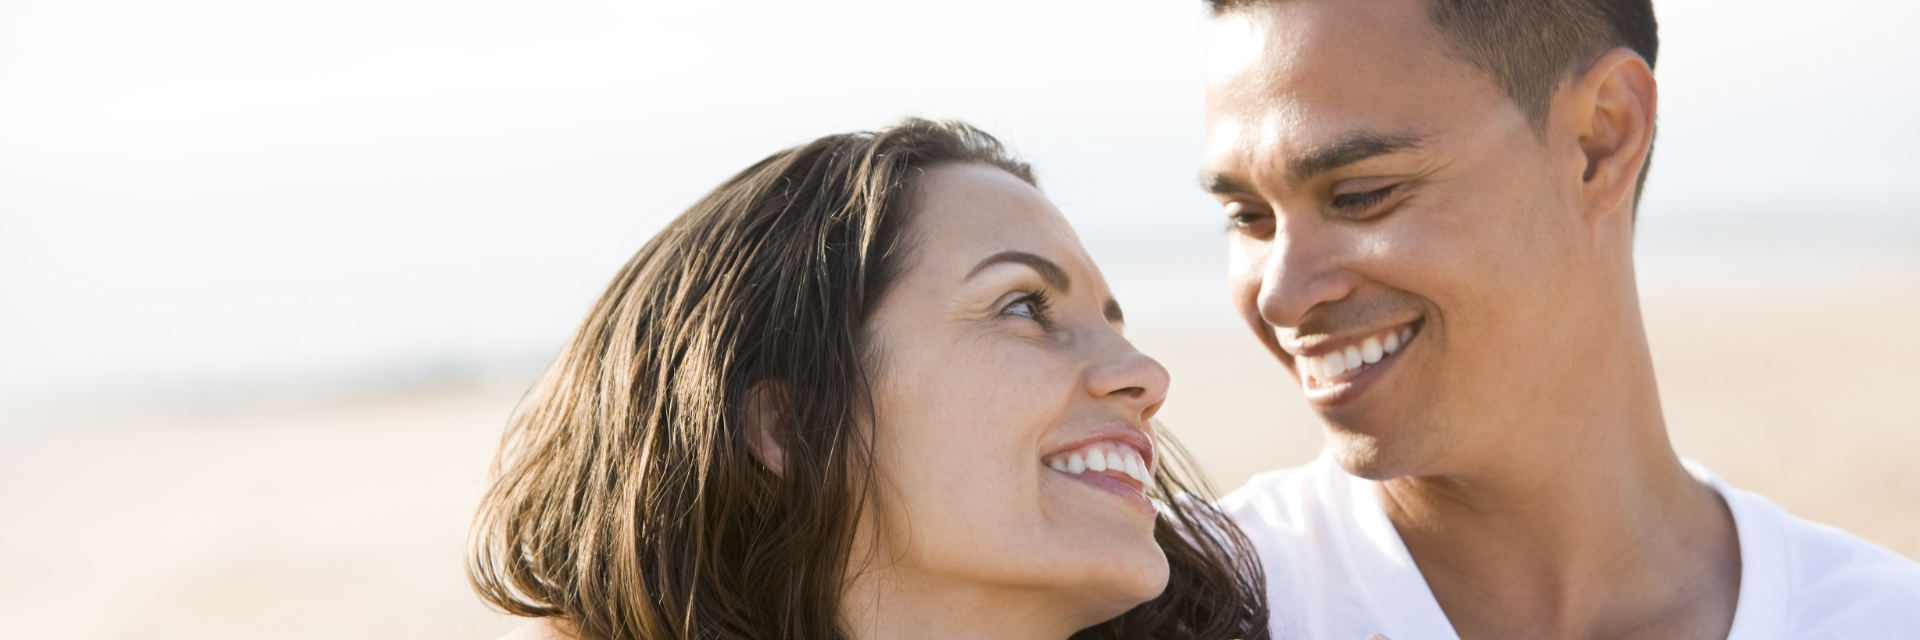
x=1287 y=77
x=1235 y=162
x=1290 y=137
x=1301 y=40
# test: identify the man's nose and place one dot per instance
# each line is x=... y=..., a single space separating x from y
x=1303 y=269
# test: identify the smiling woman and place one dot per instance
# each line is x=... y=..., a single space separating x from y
x=872 y=386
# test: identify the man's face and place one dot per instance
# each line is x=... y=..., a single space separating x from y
x=1399 y=232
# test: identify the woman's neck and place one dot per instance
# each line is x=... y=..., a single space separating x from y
x=895 y=603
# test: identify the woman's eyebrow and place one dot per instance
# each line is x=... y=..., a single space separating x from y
x=1052 y=273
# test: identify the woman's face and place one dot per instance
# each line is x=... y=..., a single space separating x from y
x=1010 y=424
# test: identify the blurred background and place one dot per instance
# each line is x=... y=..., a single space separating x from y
x=274 y=273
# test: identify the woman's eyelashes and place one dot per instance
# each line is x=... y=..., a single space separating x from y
x=1034 y=305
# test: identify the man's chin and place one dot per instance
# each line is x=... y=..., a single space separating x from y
x=1377 y=457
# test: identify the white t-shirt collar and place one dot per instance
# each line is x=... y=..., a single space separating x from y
x=1761 y=612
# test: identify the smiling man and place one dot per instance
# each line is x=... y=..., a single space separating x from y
x=1432 y=204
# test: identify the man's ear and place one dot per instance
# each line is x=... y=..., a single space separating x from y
x=1612 y=111
x=765 y=417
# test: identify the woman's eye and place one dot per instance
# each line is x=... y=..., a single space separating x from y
x=1355 y=204
x=1032 y=306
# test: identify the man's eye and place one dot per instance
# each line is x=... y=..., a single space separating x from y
x=1352 y=204
x=1243 y=219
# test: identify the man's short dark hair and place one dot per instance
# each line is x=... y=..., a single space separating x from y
x=1529 y=46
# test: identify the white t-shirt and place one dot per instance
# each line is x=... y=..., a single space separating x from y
x=1337 y=569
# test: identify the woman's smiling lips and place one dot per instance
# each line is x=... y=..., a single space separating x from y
x=1117 y=460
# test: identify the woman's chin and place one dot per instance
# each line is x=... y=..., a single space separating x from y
x=1121 y=586
x=1151 y=580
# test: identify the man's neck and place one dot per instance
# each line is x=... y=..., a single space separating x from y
x=1603 y=534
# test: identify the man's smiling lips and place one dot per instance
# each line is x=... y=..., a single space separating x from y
x=1332 y=370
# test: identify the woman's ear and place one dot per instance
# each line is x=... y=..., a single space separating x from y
x=765 y=418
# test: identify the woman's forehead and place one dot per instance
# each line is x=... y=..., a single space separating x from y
x=968 y=212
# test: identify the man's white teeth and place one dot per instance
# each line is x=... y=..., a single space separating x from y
x=1332 y=365
x=1371 y=351
x=1104 y=456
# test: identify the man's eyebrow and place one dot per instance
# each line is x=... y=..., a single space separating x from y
x=1352 y=148
x=1219 y=184
x=1052 y=273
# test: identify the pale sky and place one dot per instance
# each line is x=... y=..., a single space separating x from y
x=231 y=190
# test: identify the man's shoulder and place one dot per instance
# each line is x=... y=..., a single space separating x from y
x=1831 y=583
x=1335 y=566
x=1824 y=552
x=1821 y=556
x=1263 y=487
x=1279 y=500
x=1310 y=509
x=1833 y=569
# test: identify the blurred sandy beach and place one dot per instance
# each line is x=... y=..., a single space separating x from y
x=346 y=521
x=276 y=273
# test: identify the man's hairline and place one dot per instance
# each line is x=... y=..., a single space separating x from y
x=1536 y=120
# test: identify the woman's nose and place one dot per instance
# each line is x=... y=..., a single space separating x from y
x=1128 y=376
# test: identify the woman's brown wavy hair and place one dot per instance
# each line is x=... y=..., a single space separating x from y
x=626 y=500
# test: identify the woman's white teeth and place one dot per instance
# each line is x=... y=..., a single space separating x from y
x=1332 y=365
x=1104 y=457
